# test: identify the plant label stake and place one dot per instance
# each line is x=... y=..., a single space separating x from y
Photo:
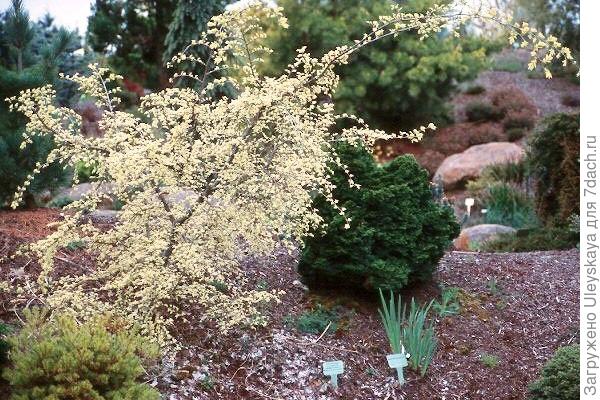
x=333 y=369
x=469 y=202
x=398 y=361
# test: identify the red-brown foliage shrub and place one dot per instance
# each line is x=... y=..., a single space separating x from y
x=133 y=87
x=459 y=137
x=518 y=119
x=570 y=100
x=449 y=140
x=90 y=115
x=513 y=99
x=430 y=160
x=485 y=133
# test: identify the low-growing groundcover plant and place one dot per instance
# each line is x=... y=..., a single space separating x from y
x=448 y=304
x=560 y=376
x=59 y=359
x=250 y=166
x=397 y=232
x=489 y=360
x=319 y=318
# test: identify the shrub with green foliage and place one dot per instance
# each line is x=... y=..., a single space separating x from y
x=36 y=52
x=133 y=35
x=4 y=346
x=560 y=376
x=140 y=36
x=60 y=359
x=482 y=112
x=392 y=84
x=397 y=232
x=85 y=172
x=554 y=162
x=16 y=164
x=514 y=134
x=474 y=89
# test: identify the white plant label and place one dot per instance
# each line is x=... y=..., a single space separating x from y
x=398 y=362
x=333 y=369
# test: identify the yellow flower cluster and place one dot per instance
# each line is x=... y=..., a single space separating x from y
x=205 y=181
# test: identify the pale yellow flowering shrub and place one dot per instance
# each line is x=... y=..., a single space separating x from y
x=247 y=168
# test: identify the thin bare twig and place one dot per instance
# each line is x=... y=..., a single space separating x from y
x=323 y=333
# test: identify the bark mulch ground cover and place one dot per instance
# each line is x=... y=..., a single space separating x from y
x=517 y=308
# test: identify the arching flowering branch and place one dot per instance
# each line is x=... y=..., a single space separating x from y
x=206 y=180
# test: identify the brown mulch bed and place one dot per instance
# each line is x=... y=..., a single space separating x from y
x=530 y=311
x=16 y=229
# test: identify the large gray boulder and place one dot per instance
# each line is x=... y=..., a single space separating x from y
x=102 y=216
x=77 y=192
x=185 y=198
x=470 y=238
x=459 y=168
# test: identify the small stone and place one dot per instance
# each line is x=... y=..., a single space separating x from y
x=103 y=216
x=182 y=374
x=300 y=285
x=323 y=388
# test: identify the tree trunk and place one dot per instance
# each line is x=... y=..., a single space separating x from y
x=29 y=201
x=19 y=60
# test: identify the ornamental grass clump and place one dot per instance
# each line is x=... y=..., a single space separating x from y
x=508 y=205
x=249 y=167
x=409 y=331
